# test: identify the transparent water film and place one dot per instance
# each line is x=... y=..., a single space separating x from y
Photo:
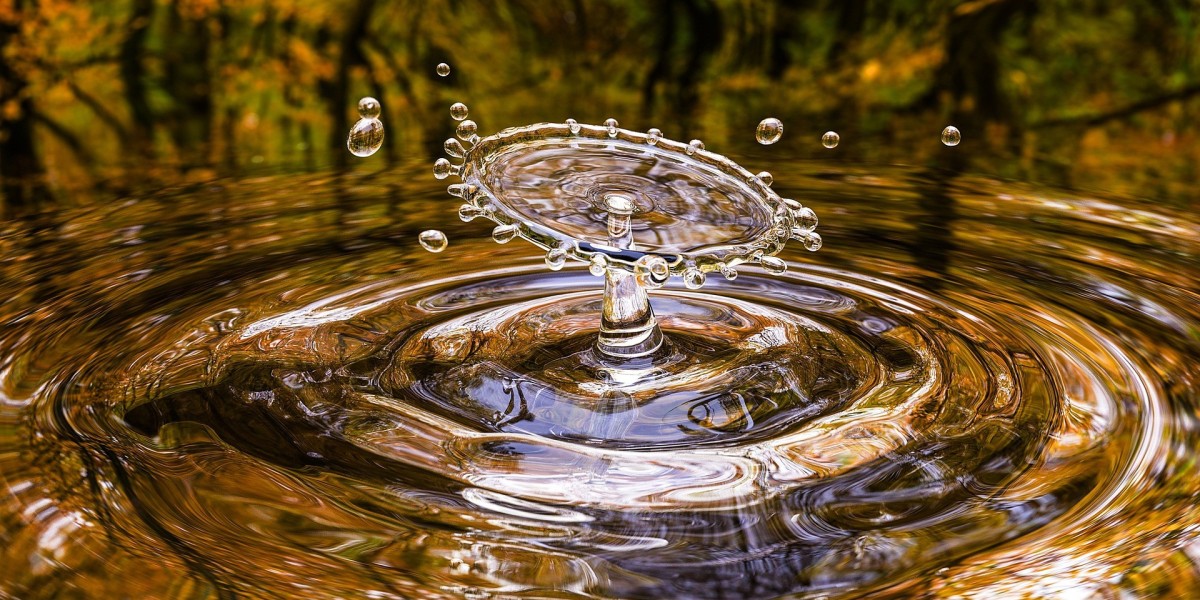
x=951 y=136
x=830 y=139
x=432 y=240
x=769 y=131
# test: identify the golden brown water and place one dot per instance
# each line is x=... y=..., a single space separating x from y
x=248 y=389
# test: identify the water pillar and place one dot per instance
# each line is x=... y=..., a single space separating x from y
x=628 y=328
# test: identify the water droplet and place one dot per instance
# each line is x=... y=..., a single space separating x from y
x=693 y=146
x=458 y=111
x=806 y=219
x=773 y=264
x=598 y=264
x=611 y=125
x=432 y=240
x=454 y=149
x=365 y=137
x=443 y=69
x=658 y=267
x=442 y=168
x=830 y=139
x=769 y=131
x=458 y=190
x=951 y=136
x=573 y=126
x=504 y=234
x=653 y=136
x=813 y=242
x=466 y=130
x=728 y=272
x=368 y=108
x=556 y=258
x=468 y=212
x=766 y=178
x=693 y=278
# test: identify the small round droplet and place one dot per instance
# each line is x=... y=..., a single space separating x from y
x=365 y=137
x=693 y=146
x=469 y=212
x=573 y=126
x=458 y=111
x=611 y=125
x=454 y=148
x=769 y=131
x=728 y=272
x=951 y=136
x=458 y=190
x=443 y=69
x=653 y=271
x=598 y=264
x=813 y=242
x=466 y=130
x=806 y=219
x=653 y=136
x=766 y=178
x=773 y=264
x=556 y=258
x=830 y=139
x=504 y=234
x=693 y=278
x=368 y=108
x=432 y=240
x=442 y=168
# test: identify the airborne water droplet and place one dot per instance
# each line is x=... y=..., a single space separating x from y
x=653 y=136
x=443 y=69
x=830 y=139
x=769 y=131
x=951 y=136
x=611 y=125
x=693 y=146
x=458 y=111
x=365 y=137
x=368 y=108
x=432 y=240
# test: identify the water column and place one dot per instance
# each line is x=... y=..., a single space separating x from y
x=627 y=325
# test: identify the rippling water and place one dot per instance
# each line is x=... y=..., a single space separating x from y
x=253 y=388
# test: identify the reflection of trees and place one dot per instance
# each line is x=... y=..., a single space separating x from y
x=173 y=85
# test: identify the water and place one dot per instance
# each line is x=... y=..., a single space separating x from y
x=951 y=136
x=458 y=111
x=432 y=240
x=443 y=69
x=831 y=139
x=230 y=388
x=769 y=131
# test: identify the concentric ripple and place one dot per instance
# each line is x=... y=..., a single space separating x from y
x=980 y=390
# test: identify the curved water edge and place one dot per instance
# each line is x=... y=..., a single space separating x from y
x=990 y=390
